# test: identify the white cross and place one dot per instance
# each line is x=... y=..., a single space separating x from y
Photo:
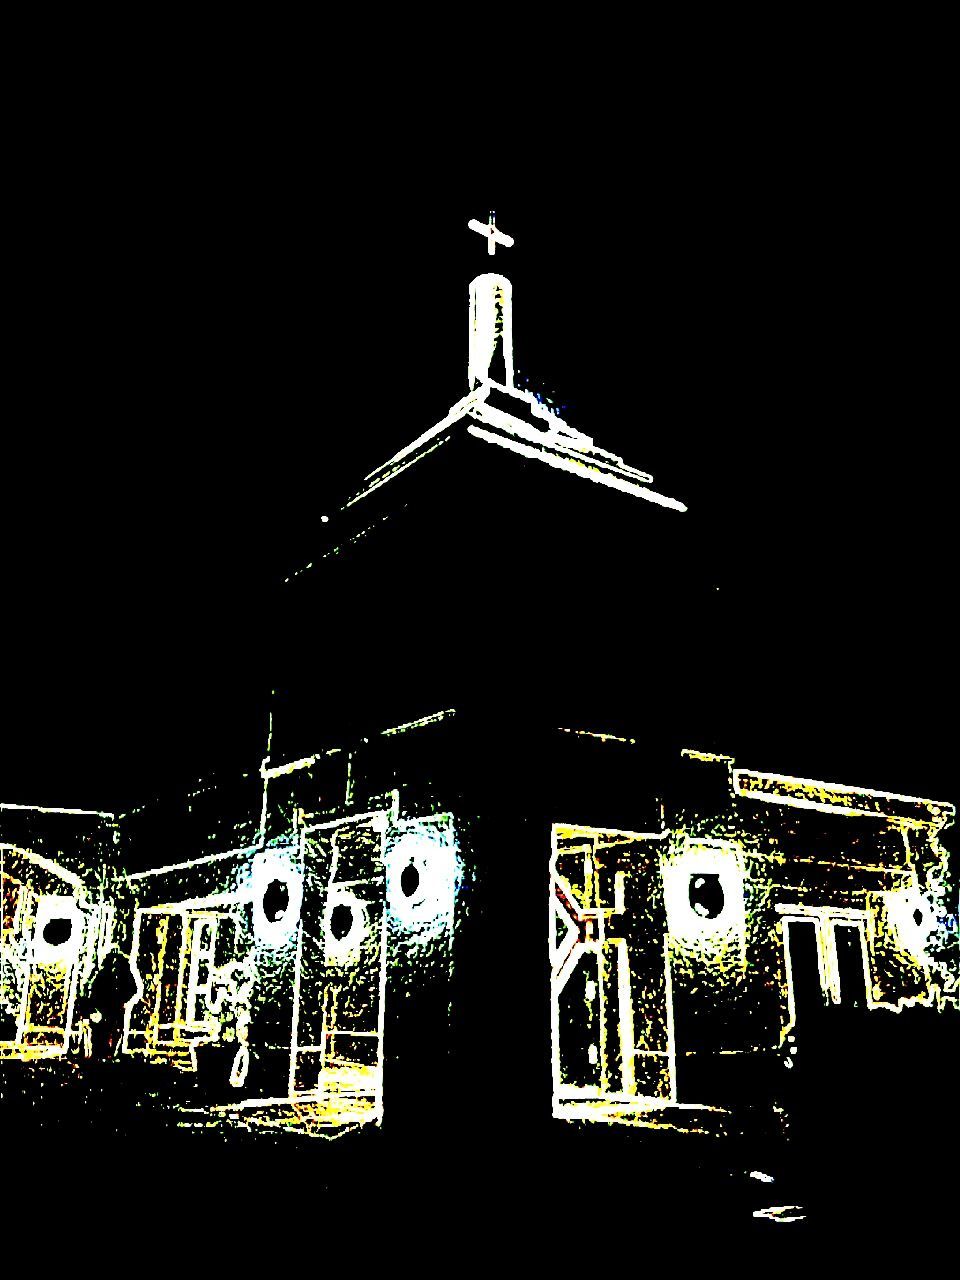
x=489 y=229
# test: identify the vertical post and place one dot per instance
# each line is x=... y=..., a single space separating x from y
x=491 y=331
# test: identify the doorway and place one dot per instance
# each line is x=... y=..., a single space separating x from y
x=611 y=1011
x=825 y=960
x=337 y=1050
x=175 y=954
x=807 y=985
x=850 y=953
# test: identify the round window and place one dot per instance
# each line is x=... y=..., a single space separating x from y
x=341 y=921
x=57 y=931
x=409 y=881
x=706 y=895
x=276 y=899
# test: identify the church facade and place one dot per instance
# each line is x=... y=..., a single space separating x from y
x=659 y=965
x=483 y=850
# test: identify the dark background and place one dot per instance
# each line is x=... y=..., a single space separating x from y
x=211 y=344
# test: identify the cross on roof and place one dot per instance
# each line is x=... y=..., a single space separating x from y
x=489 y=229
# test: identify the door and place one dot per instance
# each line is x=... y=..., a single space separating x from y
x=338 y=1038
x=201 y=944
x=150 y=961
x=610 y=1001
x=807 y=984
x=849 y=946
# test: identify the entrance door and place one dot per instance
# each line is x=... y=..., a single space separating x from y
x=610 y=998
x=806 y=973
x=851 y=968
x=826 y=961
x=175 y=954
x=338 y=1043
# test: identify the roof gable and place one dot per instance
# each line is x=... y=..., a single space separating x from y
x=516 y=421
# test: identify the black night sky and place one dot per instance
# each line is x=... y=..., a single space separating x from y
x=210 y=349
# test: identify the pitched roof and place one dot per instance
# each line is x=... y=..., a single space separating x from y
x=518 y=422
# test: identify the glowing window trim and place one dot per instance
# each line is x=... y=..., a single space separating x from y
x=430 y=846
x=269 y=865
x=57 y=907
x=704 y=858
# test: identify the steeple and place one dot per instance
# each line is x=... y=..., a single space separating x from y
x=491 y=331
x=497 y=412
x=490 y=357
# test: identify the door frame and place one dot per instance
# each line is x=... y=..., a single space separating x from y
x=567 y=1094
x=380 y=820
x=825 y=918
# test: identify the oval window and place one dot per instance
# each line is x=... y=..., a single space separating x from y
x=409 y=881
x=58 y=931
x=706 y=895
x=341 y=921
x=276 y=899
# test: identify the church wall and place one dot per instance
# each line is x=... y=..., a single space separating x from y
x=83 y=843
x=485 y=580
x=732 y=987
x=215 y=815
x=474 y=995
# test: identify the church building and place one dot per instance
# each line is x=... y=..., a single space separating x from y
x=487 y=851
